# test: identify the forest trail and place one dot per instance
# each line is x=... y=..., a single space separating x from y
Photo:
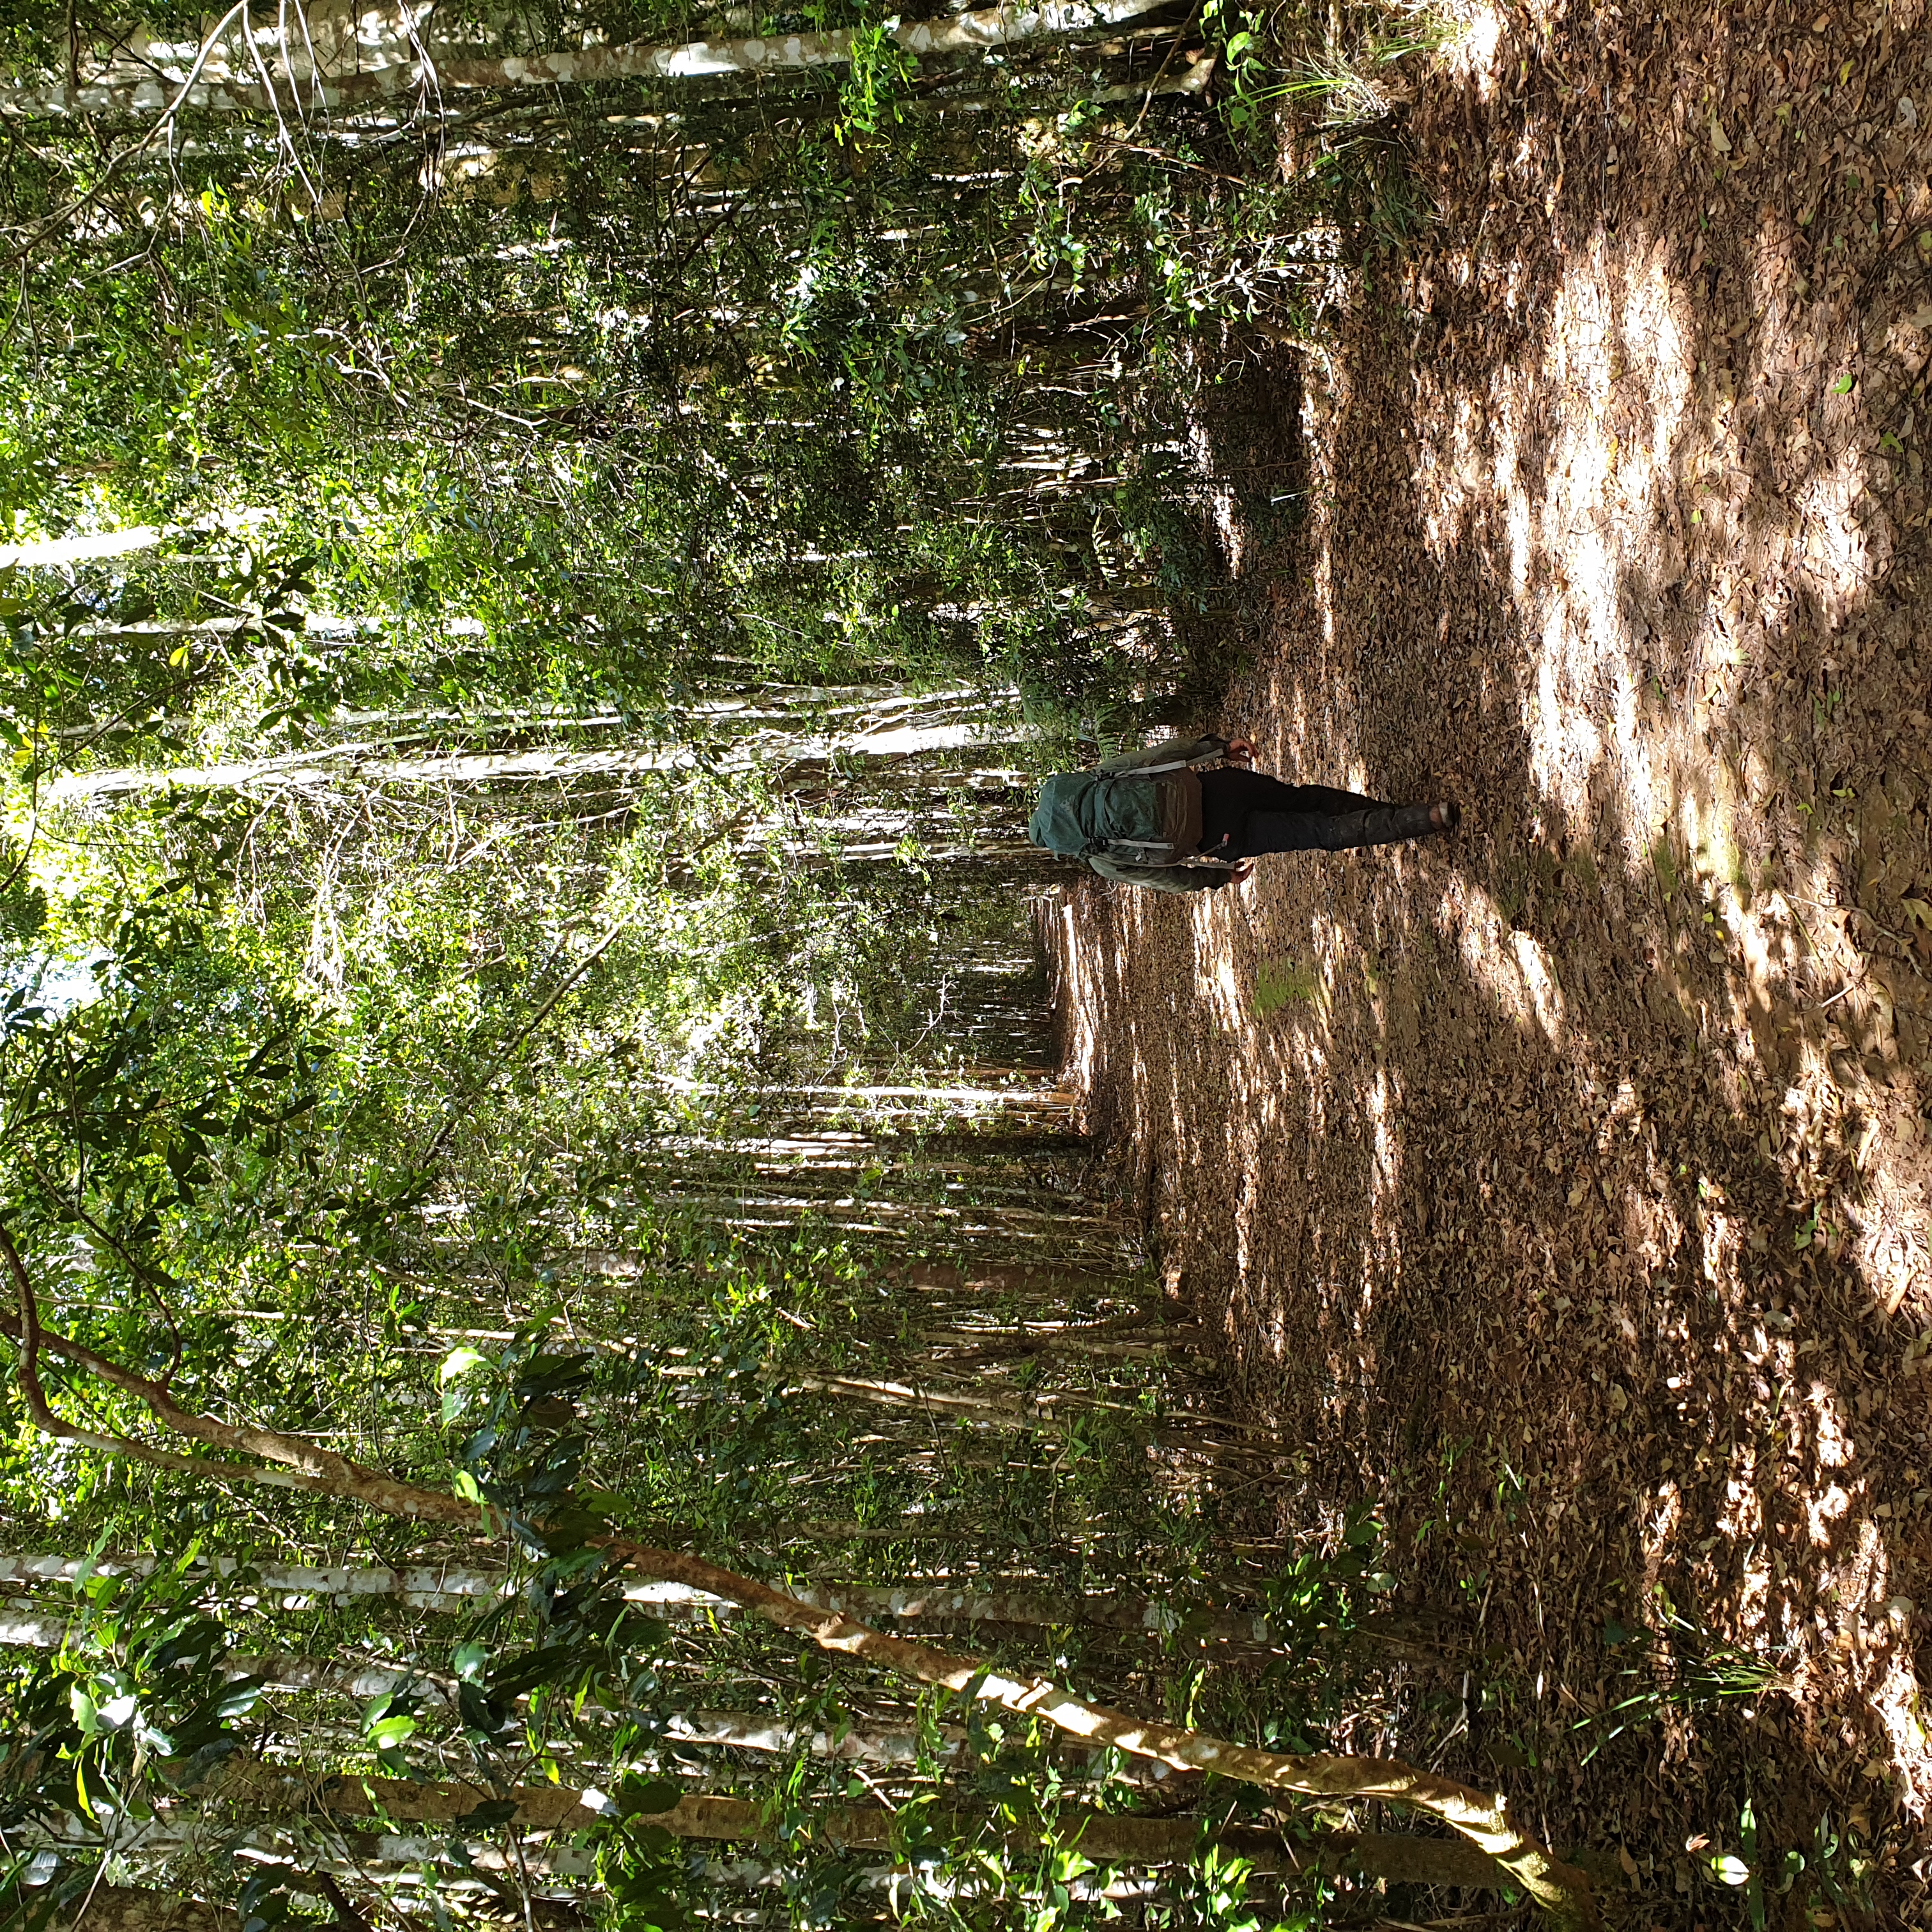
x=1564 y=1186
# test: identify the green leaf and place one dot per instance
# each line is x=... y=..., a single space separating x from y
x=1842 y=386
x=386 y=1733
x=483 y=1715
x=1730 y=1870
x=487 y=1815
x=458 y=1365
x=87 y=1785
x=639 y=1797
x=240 y=1698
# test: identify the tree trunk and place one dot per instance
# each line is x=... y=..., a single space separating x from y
x=243 y=69
x=1107 y=1838
x=921 y=1604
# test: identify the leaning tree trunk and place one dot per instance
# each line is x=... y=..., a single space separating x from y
x=1485 y=1819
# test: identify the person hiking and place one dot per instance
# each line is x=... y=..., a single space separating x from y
x=1192 y=815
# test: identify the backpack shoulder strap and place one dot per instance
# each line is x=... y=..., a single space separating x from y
x=1176 y=754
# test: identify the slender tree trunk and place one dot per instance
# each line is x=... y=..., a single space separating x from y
x=61 y=551
x=328 y=767
x=1107 y=1838
x=426 y=1587
x=1041 y=1414
x=271 y=76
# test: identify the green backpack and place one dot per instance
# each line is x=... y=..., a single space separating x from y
x=1120 y=805
x=1081 y=813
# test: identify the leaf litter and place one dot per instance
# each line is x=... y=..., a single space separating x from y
x=1582 y=1222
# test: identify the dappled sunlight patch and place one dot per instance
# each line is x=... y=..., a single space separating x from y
x=1659 y=1527
x=1473 y=45
x=1897 y=1703
x=1513 y=967
x=1608 y=474
x=1387 y=1153
x=1381 y=1259
x=1606 y=1151
x=1824 y=1510
x=1767 y=936
x=1835 y=546
x=1538 y=980
x=1874 y=1634
x=1887 y=1249
x=1217 y=971
x=1721 y=1241
x=1830 y=1443
x=1740 y=1519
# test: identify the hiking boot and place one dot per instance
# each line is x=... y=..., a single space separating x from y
x=1388 y=825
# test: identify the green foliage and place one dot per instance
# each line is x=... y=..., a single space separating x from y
x=23 y=905
x=1833 y=1873
x=137 y=1705
x=483 y=971
x=1218 y=1900
x=1241 y=33
x=871 y=89
x=1682 y=1666
x=640 y=1868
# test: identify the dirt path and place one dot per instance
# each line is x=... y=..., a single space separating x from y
x=1565 y=1187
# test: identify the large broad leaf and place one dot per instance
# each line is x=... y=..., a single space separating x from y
x=489 y=1717
x=643 y=1797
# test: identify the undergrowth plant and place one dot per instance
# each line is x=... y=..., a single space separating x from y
x=1679 y=1666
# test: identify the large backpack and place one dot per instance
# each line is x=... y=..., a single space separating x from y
x=1122 y=807
x=1081 y=813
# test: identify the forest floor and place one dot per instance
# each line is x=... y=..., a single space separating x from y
x=1563 y=1186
